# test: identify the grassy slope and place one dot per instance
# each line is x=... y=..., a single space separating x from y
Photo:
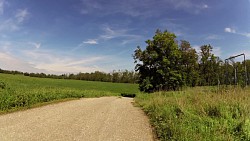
x=21 y=91
x=200 y=113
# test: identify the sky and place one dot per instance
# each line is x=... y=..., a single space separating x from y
x=72 y=36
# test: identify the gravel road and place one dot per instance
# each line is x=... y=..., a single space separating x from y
x=90 y=119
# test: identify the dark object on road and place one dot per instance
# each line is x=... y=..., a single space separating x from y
x=128 y=95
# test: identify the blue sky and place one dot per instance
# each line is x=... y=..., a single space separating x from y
x=71 y=36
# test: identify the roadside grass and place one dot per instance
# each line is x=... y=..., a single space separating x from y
x=21 y=92
x=201 y=113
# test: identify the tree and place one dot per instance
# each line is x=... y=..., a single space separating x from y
x=189 y=64
x=209 y=66
x=159 y=64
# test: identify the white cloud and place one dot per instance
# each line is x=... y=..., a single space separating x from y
x=197 y=48
x=91 y=41
x=36 y=45
x=47 y=61
x=84 y=61
x=229 y=30
x=21 y=15
x=9 y=62
x=55 y=63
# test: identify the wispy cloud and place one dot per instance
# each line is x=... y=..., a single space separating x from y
x=55 y=63
x=10 y=62
x=245 y=34
x=36 y=45
x=188 y=5
x=2 y=2
x=213 y=37
x=21 y=15
x=46 y=60
x=13 y=23
x=91 y=41
x=232 y=30
x=5 y=46
x=140 y=8
x=9 y=25
x=110 y=33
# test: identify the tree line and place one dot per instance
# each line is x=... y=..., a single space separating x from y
x=169 y=64
x=121 y=76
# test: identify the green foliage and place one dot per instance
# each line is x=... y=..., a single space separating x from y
x=209 y=66
x=200 y=113
x=189 y=64
x=20 y=91
x=158 y=64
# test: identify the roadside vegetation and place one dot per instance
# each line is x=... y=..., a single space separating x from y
x=200 y=113
x=17 y=91
x=172 y=73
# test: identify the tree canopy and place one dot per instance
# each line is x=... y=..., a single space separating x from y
x=166 y=65
x=158 y=65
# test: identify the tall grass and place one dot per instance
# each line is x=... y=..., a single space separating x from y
x=18 y=91
x=202 y=113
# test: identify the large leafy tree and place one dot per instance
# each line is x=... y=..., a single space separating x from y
x=159 y=64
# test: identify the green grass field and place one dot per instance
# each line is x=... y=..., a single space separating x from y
x=17 y=91
x=201 y=113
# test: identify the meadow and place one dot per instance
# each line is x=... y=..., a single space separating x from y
x=200 y=113
x=21 y=92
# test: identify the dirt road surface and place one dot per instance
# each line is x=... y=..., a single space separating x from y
x=90 y=119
